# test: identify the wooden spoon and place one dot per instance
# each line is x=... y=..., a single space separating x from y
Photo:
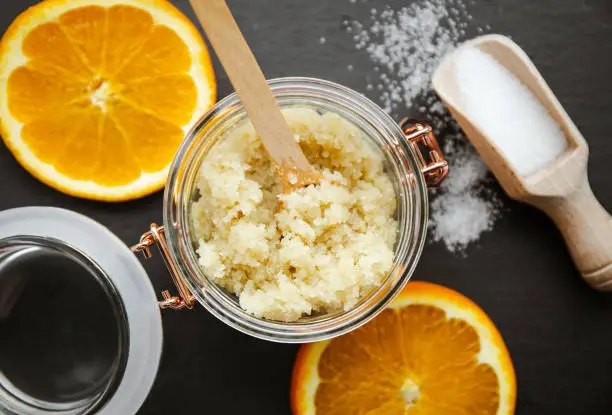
x=562 y=188
x=293 y=168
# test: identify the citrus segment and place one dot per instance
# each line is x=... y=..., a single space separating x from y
x=120 y=167
x=154 y=141
x=100 y=93
x=76 y=158
x=86 y=29
x=68 y=140
x=34 y=95
x=431 y=352
x=50 y=51
x=163 y=53
x=169 y=97
x=128 y=30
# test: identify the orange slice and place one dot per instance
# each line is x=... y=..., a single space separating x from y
x=100 y=93
x=431 y=352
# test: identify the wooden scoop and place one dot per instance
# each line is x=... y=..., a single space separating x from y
x=293 y=168
x=562 y=188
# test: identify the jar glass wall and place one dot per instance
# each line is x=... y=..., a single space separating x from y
x=64 y=331
x=401 y=164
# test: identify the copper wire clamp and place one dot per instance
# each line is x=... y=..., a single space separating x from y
x=156 y=236
x=420 y=133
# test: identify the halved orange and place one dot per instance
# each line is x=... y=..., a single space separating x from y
x=98 y=94
x=431 y=352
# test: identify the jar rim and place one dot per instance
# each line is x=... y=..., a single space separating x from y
x=411 y=189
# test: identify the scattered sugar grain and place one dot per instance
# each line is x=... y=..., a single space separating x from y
x=464 y=207
x=405 y=46
x=408 y=44
x=460 y=219
x=507 y=112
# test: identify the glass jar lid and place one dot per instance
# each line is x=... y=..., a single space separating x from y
x=80 y=327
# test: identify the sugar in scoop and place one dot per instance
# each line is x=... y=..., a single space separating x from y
x=529 y=142
x=507 y=112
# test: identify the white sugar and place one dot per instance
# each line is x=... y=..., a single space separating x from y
x=460 y=219
x=405 y=46
x=464 y=208
x=507 y=112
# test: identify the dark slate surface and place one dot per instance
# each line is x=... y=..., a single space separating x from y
x=557 y=329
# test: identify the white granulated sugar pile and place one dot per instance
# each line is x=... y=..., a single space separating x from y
x=405 y=47
x=495 y=99
x=464 y=207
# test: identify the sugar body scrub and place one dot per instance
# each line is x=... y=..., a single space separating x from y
x=324 y=248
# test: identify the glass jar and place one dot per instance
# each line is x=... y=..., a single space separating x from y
x=404 y=164
x=115 y=376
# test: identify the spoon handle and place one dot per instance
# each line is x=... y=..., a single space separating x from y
x=250 y=84
x=587 y=229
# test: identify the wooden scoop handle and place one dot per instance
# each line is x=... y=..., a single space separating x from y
x=248 y=80
x=587 y=229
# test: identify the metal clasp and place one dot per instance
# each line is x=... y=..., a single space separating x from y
x=435 y=166
x=156 y=236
